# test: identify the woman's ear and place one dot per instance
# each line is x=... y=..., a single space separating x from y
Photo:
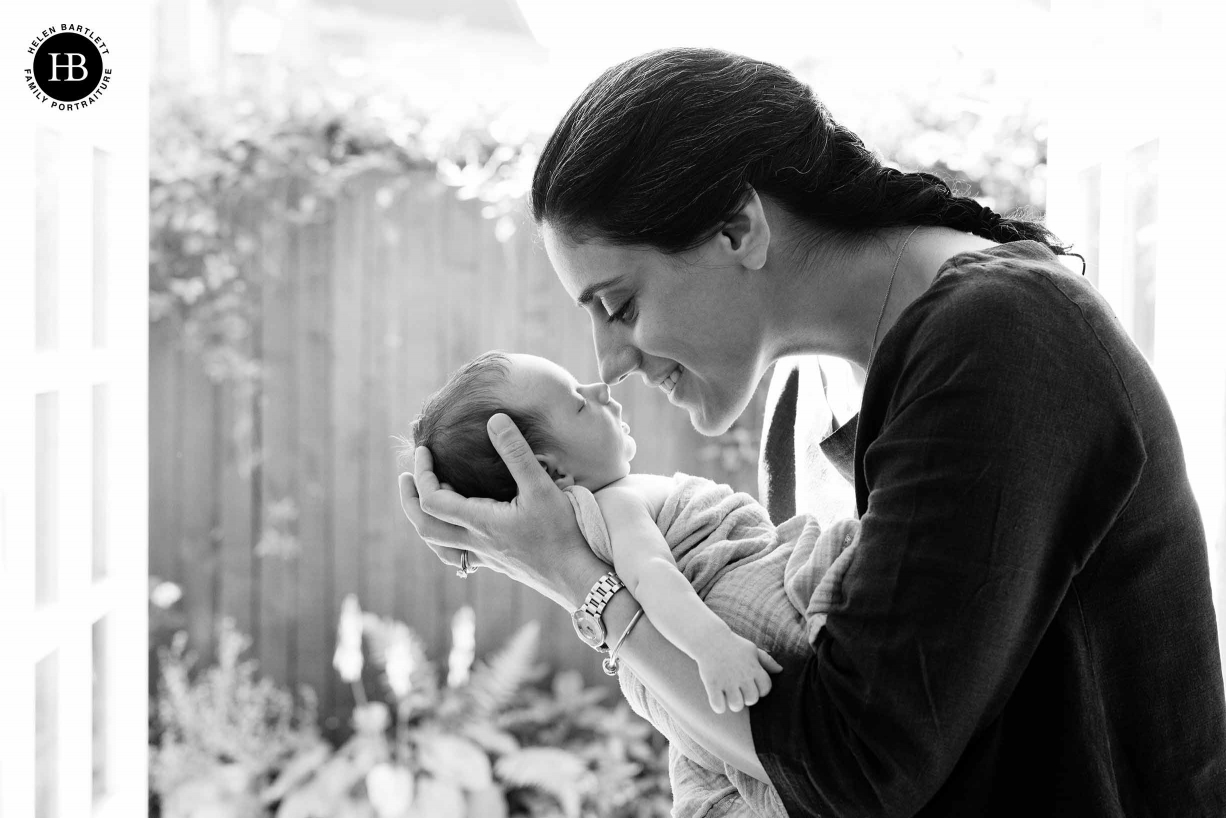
x=747 y=236
x=559 y=477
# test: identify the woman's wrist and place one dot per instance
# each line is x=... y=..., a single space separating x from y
x=576 y=574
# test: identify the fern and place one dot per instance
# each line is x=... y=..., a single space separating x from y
x=556 y=772
x=495 y=681
x=225 y=714
x=412 y=680
x=494 y=744
x=453 y=758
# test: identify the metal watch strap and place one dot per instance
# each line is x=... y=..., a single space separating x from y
x=601 y=593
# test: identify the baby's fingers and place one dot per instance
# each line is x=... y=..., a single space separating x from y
x=767 y=661
x=715 y=697
x=762 y=682
x=749 y=693
x=736 y=701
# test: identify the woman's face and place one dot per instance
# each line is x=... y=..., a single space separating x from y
x=689 y=324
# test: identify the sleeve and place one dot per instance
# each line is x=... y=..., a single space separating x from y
x=1006 y=448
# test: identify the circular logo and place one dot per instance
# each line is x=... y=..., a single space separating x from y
x=67 y=69
x=67 y=66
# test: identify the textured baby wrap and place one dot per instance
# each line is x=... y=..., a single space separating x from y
x=771 y=585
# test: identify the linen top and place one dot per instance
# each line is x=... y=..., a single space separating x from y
x=1027 y=626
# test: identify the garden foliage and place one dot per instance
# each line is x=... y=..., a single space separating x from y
x=486 y=740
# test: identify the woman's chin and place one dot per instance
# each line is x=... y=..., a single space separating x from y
x=712 y=421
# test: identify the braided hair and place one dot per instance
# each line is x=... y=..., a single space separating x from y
x=663 y=149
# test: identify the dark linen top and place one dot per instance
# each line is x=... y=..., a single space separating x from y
x=1027 y=626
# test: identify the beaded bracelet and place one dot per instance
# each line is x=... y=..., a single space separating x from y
x=611 y=663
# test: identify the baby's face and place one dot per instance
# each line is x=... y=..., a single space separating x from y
x=596 y=444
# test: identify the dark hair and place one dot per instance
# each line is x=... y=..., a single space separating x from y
x=663 y=149
x=452 y=425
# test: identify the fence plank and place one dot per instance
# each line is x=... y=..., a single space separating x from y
x=164 y=418
x=348 y=557
x=278 y=429
x=312 y=344
x=421 y=273
x=399 y=409
x=235 y=559
x=378 y=490
x=196 y=491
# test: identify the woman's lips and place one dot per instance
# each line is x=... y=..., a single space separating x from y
x=670 y=382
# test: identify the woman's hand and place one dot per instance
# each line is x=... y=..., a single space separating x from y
x=534 y=539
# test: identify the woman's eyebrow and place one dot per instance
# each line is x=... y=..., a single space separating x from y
x=588 y=294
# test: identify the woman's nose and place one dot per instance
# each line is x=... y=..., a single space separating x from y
x=616 y=358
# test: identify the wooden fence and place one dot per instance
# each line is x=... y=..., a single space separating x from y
x=362 y=316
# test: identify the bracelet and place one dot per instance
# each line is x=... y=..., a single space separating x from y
x=611 y=663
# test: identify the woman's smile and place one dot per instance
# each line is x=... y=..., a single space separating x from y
x=669 y=383
x=683 y=308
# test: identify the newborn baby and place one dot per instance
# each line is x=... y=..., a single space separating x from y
x=580 y=439
x=711 y=571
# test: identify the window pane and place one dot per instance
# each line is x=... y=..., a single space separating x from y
x=46 y=737
x=46 y=238
x=101 y=672
x=102 y=171
x=46 y=500
x=1142 y=187
x=1090 y=181
x=101 y=449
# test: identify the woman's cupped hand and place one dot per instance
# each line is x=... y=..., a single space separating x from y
x=534 y=539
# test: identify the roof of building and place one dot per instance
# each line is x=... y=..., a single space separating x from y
x=498 y=15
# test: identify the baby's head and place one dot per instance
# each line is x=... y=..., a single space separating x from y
x=575 y=431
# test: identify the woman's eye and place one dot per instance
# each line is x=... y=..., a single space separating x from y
x=625 y=314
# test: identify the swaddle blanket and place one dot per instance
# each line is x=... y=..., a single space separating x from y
x=773 y=586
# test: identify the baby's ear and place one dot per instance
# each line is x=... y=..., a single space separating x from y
x=559 y=477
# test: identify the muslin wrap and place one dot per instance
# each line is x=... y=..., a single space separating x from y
x=772 y=585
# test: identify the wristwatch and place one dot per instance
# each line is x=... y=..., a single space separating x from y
x=586 y=620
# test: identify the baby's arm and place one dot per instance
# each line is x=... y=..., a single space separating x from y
x=730 y=665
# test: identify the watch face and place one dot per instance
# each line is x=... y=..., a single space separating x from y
x=588 y=628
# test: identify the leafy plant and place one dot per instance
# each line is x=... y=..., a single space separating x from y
x=222 y=733
x=228 y=178
x=486 y=740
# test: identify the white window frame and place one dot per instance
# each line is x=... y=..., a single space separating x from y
x=1122 y=83
x=118 y=125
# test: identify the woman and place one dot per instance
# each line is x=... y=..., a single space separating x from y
x=1028 y=626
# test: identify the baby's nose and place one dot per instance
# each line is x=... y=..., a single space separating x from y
x=602 y=393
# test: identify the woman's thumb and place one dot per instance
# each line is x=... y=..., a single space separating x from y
x=514 y=451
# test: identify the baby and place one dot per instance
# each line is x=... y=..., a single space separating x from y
x=580 y=439
x=713 y=574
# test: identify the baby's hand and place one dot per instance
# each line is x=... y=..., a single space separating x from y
x=734 y=671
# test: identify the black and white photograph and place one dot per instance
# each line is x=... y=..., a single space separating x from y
x=637 y=409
